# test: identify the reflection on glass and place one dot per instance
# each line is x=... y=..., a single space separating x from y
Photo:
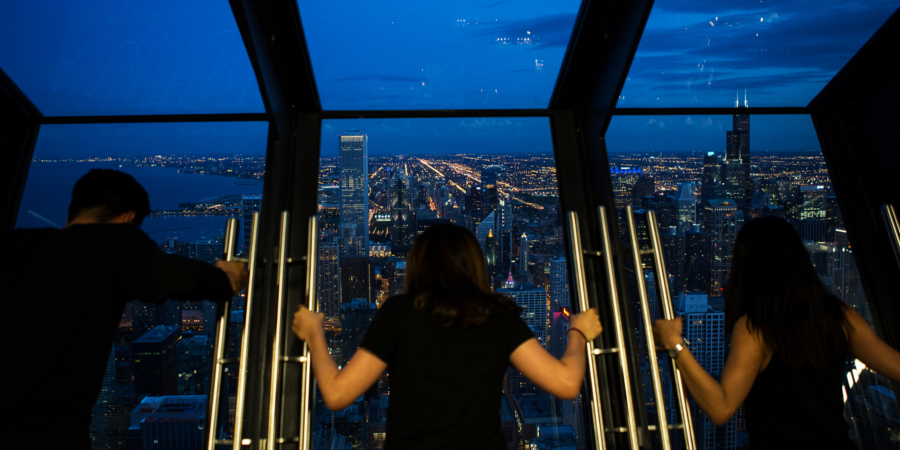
x=697 y=53
x=702 y=194
x=505 y=194
x=79 y=58
x=470 y=54
x=197 y=176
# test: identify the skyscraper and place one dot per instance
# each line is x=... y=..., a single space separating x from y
x=403 y=222
x=685 y=204
x=491 y=198
x=704 y=329
x=154 y=361
x=329 y=279
x=523 y=253
x=249 y=205
x=559 y=283
x=193 y=364
x=533 y=301
x=711 y=179
x=740 y=126
x=355 y=193
x=721 y=229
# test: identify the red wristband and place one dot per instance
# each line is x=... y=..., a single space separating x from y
x=579 y=332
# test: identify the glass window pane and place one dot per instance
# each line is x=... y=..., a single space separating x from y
x=679 y=167
x=197 y=176
x=80 y=58
x=782 y=53
x=449 y=55
x=393 y=179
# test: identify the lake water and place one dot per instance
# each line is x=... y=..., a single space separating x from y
x=49 y=189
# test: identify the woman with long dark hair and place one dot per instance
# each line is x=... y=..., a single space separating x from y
x=790 y=341
x=447 y=342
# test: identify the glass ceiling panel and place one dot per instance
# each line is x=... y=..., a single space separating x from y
x=699 y=52
x=468 y=54
x=113 y=57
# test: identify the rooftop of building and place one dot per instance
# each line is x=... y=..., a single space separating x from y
x=157 y=334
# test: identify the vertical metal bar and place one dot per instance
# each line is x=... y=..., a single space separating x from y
x=581 y=288
x=277 y=346
x=215 y=388
x=245 y=340
x=617 y=323
x=893 y=227
x=665 y=298
x=312 y=259
x=648 y=330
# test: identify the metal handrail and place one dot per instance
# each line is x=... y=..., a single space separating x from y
x=893 y=227
x=581 y=289
x=245 y=340
x=312 y=252
x=277 y=346
x=648 y=330
x=665 y=298
x=223 y=315
x=617 y=323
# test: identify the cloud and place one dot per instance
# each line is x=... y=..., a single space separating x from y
x=688 y=120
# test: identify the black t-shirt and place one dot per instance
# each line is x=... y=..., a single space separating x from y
x=798 y=408
x=64 y=293
x=446 y=382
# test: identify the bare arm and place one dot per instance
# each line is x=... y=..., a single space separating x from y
x=866 y=346
x=560 y=377
x=718 y=400
x=339 y=387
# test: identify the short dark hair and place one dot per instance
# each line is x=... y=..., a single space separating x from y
x=108 y=193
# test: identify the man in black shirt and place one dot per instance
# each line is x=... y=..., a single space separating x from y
x=64 y=294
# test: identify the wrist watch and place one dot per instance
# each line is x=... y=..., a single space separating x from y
x=676 y=350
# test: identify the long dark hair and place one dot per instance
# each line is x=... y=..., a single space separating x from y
x=446 y=272
x=774 y=283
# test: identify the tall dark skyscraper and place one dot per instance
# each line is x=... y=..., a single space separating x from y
x=721 y=228
x=355 y=193
x=155 y=366
x=491 y=199
x=403 y=220
x=738 y=148
x=711 y=178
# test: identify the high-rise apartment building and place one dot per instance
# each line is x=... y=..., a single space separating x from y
x=533 y=301
x=355 y=193
x=704 y=329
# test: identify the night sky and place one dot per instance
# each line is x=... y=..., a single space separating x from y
x=167 y=57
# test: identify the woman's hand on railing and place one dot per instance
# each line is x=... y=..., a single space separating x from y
x=667 y=333
x=588 y=323
x=307 y=324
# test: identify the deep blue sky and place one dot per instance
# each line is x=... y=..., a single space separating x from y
x=85 y=57
x=696 y=52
